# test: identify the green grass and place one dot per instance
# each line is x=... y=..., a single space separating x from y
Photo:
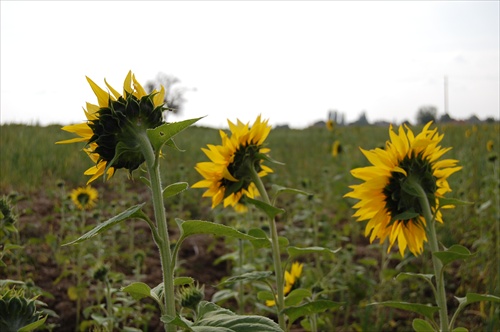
x=31 y=162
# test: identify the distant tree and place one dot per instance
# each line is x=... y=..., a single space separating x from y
x=446 y=118
x=426 y=114
x=473 y=119
x=174 y=94
x=362 y=121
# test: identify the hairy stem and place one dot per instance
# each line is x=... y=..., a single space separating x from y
x=280 y=301
x=438 y=266
x=161 y=222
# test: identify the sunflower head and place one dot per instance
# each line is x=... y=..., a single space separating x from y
x=336 y=148
x=114 y=126
x=388 y=199
x=84 y=198
x=228 y=173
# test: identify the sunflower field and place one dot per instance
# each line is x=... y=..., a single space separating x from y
x=269 y=229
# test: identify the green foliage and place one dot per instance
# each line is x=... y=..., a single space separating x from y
x=360 y=273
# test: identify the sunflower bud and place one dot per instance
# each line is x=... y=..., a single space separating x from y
x=191 y=295
x=16 y=311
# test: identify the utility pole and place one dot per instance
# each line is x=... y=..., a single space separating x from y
x=446 y=95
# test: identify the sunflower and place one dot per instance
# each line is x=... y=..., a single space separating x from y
x=336 y=148
x=386 y=200
x=84 y=197
x=113 y=126
x=291 y=281
x=490 y=145
x=329 y=124
x=228 y=173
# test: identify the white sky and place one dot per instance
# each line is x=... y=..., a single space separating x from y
x=289 y=61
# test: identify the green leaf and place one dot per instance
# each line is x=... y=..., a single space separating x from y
x=246 y=277
x=296 y=296
x=408 y=275
x=33 y=326
x=265 y=296
x=453 y=253
x=133 y=212
x=268 y=209
x=425 y=310
x=313 y=307
x=420 y=325
x=181 y=281
x=191 y=227
x=473 y=297
x=258 y=233
x=452 y=201
x=211 y=317
x=460 y=329
x=177 y=321
x=174 y=189
x=164 y=133
x=295 y=251
x=284 y=190
x=138 y=290
x=11 y=246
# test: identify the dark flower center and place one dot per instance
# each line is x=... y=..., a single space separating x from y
x=83 y=198
x=117 y=126
x=401 y=199
x=245 y=157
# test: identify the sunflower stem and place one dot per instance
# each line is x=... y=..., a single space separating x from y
x=161 y=222
x=280 y=301
x=437 y=264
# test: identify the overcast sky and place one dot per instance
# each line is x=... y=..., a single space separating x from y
x=289 y=61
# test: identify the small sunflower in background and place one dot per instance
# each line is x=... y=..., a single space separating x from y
x=228 y=174
x=336 y=148
x=114 y=126
x=291 y=281
x=329 y=124
x=84 y=198
x=386 y=199
x=489 y=145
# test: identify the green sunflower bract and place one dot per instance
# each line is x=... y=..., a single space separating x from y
x=386 y=198
x=113 y=126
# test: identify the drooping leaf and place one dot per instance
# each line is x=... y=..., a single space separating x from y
x=284 y=190
x=309 y=308
x=296 y=251
x=133 y=212
x=191 y=227
x=443 y=201
x=473 y=297
x=453 y=253
x=164 y=133
x=268 y=209
x=420 y=325
x=425 y=310
x=248 y=277
x=174 y=189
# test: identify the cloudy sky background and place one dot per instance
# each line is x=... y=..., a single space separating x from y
x=289 y=61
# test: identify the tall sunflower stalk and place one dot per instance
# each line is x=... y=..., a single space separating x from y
x=125 y=131
x=402 y=194
x=233 y=177
x=120 y=133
